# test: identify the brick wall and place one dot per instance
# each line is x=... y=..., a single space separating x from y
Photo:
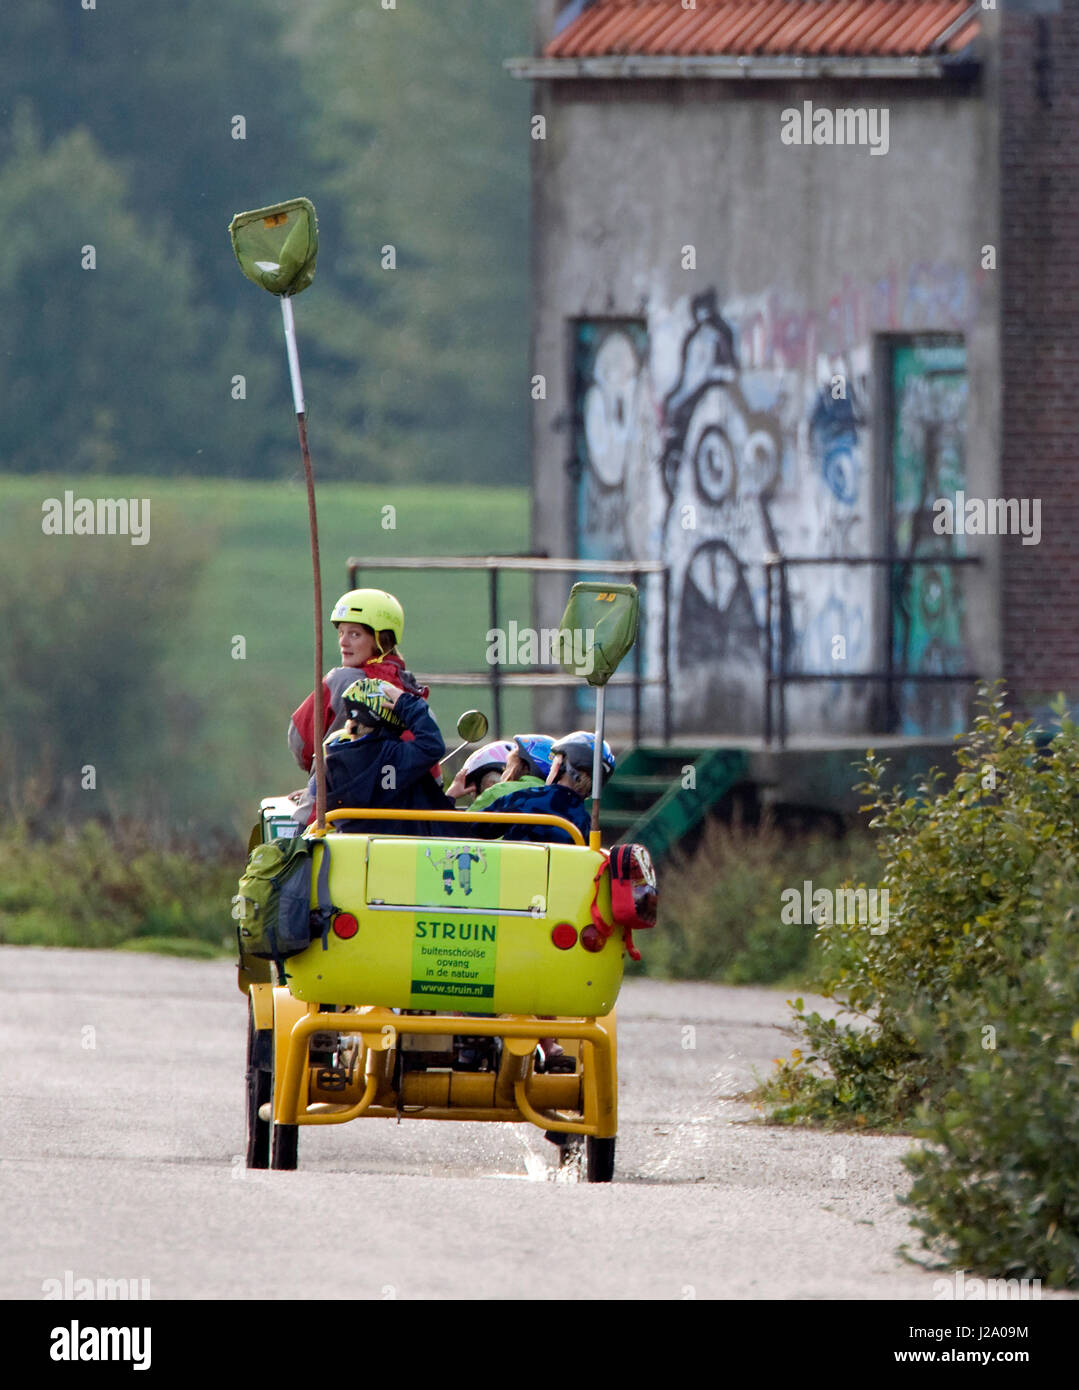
x=1039 y=265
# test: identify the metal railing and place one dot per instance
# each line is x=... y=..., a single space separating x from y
x=777 y=677
x=497 y=678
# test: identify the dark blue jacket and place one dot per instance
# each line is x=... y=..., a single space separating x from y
x=551 y=801
x=357 y=773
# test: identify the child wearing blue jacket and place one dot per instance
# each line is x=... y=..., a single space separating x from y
x=369 y=765
x=569 y=783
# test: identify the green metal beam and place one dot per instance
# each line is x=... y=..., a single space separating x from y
x=681 y=807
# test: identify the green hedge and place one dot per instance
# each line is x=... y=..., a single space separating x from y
x=967 y=1009
x=116 y=886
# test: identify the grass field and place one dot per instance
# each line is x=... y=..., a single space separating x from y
x=257 y=585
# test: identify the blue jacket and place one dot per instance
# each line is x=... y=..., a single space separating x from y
x=551 y=801
x=357 y=773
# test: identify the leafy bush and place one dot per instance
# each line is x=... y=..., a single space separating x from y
x=113 y=886
x=721 y=908
x=999 y=1190
x=964 y=866
x=969 y=1003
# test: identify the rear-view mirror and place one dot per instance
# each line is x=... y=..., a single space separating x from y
x=472 y=725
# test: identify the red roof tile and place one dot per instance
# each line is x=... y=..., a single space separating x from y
x=854 y=28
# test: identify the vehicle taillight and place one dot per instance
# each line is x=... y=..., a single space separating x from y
x=564 y=935
x=591 y=939
x=345 y=925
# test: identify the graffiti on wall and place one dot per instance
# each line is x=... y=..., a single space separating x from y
x=616 y=443
x=720 y=467
x=719 y=435
x=927 y=442
x=777 y=334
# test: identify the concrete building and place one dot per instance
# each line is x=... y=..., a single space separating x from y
x=804 y=271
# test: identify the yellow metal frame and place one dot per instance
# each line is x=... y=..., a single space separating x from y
x=515 y=1093
x=484 y=817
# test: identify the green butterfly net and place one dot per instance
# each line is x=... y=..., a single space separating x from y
x=277 y=246
x=608 y=614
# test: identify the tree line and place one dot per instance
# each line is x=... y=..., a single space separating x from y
x=131 y=133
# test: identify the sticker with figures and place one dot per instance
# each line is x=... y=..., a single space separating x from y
x=469 y=874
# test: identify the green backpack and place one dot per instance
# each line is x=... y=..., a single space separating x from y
x=273 y=907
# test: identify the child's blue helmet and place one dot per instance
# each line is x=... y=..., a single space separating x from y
x=535 y=751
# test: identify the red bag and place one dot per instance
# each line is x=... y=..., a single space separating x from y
x=634 y=898
x=633 y=887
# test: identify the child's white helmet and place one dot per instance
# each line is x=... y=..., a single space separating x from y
x=490 y=758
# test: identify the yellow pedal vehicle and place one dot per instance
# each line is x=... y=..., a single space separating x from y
x=439 y=963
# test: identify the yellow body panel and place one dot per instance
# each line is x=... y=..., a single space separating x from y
x=261 y=996
x=450 y=924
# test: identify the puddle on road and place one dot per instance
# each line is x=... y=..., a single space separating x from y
x=536 y=1170
x=540 y=1168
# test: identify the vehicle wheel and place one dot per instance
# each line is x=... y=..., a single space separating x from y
x=284 y=1147
x=598 y=1159
x=259 y=1091
x=283 y=1141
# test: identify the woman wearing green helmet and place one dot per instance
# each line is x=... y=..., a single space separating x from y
x=370 y=624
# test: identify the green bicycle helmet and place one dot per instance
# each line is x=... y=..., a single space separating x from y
x=374 y=608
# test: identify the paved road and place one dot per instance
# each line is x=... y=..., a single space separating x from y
x=121 y=1078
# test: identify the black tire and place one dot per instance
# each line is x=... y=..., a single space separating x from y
x=598 y=1159
x=284 y=1147
x=283 y=1141
x=259 y=1091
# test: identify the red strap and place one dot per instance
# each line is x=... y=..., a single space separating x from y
x=604 y=928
